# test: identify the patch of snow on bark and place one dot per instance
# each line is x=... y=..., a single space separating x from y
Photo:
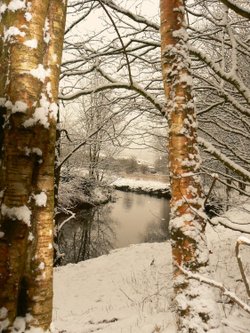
x=40 y=72
x=32 y=43
x=3 y=8
x=41 y=265
x=28 y=16
x=19 y=106
x=35 y=150
x=12 y=31
x=21 y=213
x=15 y=5
x=43 y=113
x=31 y=236
x=40 y=199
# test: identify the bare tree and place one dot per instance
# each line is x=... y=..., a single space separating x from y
x=218 y=45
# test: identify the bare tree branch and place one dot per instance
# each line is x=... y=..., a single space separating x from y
x=218 y=285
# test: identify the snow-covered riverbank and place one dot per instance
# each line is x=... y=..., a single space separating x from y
x=129 y=290
x=142 y=186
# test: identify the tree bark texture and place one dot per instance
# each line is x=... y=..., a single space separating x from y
x=196 y=309
x=32 y=34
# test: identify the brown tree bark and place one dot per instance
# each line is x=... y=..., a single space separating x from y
x=31 y=53
x=196 y=308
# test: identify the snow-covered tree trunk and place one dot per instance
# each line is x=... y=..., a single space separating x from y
x=32 y=34
x=197 y=311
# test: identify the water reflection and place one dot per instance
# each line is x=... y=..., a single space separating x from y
x=131 y=219
x=139 y=218
x=89 y=235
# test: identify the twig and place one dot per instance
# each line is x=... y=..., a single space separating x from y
x=72 y=216
x=217 y=285
x=215 y=176
x=120 y=38
x=131 y=300
x=245 y=241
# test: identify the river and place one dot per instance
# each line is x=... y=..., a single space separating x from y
x=131 y=219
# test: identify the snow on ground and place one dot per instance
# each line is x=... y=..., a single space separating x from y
x=142 y=186
x=129 y=290
x=125 y=291
x=136 y=183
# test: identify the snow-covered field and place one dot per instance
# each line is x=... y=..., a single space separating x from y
x=129 y=290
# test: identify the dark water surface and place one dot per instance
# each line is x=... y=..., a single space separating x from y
x=133 y=218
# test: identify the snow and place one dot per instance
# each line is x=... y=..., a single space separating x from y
x=16 y=5
x=34 y=150
x=244 y=240
x=236 y=218
x=19 y=106
x=20 y=324
x=37 y=151
x=12 y=31
x=145 y=186
x=21 y=213
x=30 y=237
x=42 y=113
x=129 y=290
x=40 y=72
x=40 y=199
x=222 y=157
x=41 y=265
x=123 y=292
x=3 y=8
x=28 y=16
x=3 y=312
x=32 y=43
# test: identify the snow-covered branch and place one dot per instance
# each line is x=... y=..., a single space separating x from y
x=228 y=77
x=224 y=159
x=227 y=223
x=116 y=85
x=237 y=8
x=218 y=285
x=132 y=16
x=246 y=241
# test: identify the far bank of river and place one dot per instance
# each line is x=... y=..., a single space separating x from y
x=153 y=188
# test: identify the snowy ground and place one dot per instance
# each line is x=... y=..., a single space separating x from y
x=143 y=186
x=135 y=183
x=129 y=290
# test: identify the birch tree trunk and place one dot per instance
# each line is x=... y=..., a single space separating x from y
x=32 y=34
x=196 y=308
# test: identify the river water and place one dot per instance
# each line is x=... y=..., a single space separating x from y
x=131 y=219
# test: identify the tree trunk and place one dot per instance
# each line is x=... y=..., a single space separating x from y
x=32 y=51
x=195 y=305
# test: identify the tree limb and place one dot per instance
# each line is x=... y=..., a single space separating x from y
x=218 y=285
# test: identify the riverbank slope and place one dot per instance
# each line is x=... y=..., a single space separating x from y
x=129 y=290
